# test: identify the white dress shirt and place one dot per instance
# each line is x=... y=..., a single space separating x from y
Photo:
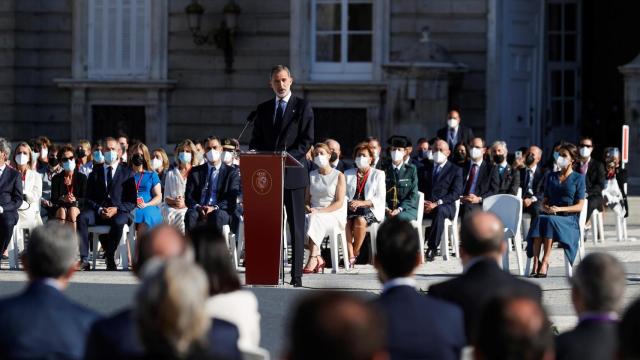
x=286 y=102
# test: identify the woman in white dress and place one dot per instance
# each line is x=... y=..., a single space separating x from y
x=326 y=206
x=366 y=196
x=29 y=212
x=174 y=208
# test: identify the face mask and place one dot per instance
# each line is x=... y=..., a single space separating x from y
x=199 y=157
x=529 y=160
x=397 y=155
x=333 y=157
x=43 y=153
x=452 y=123
x=69 y=165
x=424 y=154
x=376 y=154
x=321 y=161
x=124 y=157
x=110 y=157
x=476 y=153
x=498 y=159
x=80 y=153
x=184 y=157
x=98 y=158
x=53 y=161
x=227 y=157
x=22 y=159
x=363 y=162
x=439 y=157
x=137 y=160
x=35 y=156
x=156 y=164
x=562 y=162
x=213 y=155
x=459 y=156
x=556 y=155
x=585 y=152
x=429 y=154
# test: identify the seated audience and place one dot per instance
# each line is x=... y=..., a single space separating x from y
x=628 y=329
x=68 y=189
x=337 y=326
x=230 y=149
x=479 y=180
x=42 y=148
x=212 y=190
x=11 y=195
x=325 y=205
x=227 y=301
x=149 y=190
x=175 y=208
x=48 y=170
x=408 y=150
x=551 y=164
x=160 y=164
x=41 y=323
x=454 y=132
x=594 y=176
x=460 y=154
x=335 y=159
x=597 y=294
x=422 y=153
x=200 y=158
x=365 y=199
x=481 y=248
x=97 y=155
x=406 y=311
x=375 y=146
x=441 y=184
x=110 y=199
x=401 y=183
x=514 y=327
x=509 y=178
x=29 y=211
x=84 y=158
x=564 y=195
x=532 y=180
x=614 y=193
x=123 y=142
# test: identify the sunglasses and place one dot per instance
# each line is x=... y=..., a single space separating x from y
x=586 y=145
x=67 y=158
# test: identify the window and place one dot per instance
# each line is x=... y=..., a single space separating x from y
x=342 y=39
x=119 y=38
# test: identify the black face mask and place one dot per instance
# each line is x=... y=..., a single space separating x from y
x=53 y=161
x=498 y=159
x=333 y=157
x=137 y=160
x=458 y=157
x=529 y=160
x=80 y=153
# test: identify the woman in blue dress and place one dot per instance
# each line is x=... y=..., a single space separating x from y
x=147 y=213
x=564 y=196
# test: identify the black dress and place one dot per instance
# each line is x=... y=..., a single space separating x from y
x=59 y=190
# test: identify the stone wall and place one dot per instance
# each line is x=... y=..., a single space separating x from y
x=7 y=55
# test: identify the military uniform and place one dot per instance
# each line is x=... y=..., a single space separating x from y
x=402 y=190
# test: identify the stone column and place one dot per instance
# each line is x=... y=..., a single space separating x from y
x=631 y=72
x=80 y=127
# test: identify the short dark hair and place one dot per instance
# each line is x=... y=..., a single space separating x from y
x=397 y=247
x=422 y=141
x=212 y=254
x=628 y=330
x=51 y=251
x=600 y=281
x=336 y=326
x=476 y=245
x=363 y=146
x=276 y=69
x=211 y=138
x=63 y=149
x=573 y=152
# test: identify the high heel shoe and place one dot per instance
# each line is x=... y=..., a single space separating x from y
x=352 y=261
x=542 y=275
x=320 y=265
x=534 y=271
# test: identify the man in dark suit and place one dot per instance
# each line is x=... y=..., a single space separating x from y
x=407 y=311
x=532 y=179
x=401 y=183
x=10 y=195
x=378 y=159
x=212 y=190
x=286 y=124
x=597 y=293
x=480 y=181
x=509 y=178
x=481 y=248
x=41 y=323
x=594 y=175
x=111 y=197
x=421 y=154
x=455 y=132
x=336 y=160
x=116 y=337
x=441 y=183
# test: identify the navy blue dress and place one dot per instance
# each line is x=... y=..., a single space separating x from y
x=563 y=229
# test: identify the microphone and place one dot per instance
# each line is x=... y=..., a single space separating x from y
x=251 y=118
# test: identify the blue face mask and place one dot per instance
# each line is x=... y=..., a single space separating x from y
x=98 y=157
x=184 y=157
x=69 y=165
x=110 y=157
x=556 y=155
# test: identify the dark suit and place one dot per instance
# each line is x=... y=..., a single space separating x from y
x=295 y=135
x=591 y=339
x=509 y=179
x=536 y=189
x=343 y=165
x=121 y=194
x=594 y=180
x=480 y=283
x=463 y=135
x=487 y=184
x=10 y=201
x=41 y=323
x=411 y=320
x=446 y=186
x=116 y=337
x=227 y=192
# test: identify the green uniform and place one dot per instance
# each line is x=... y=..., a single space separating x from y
x=402 y=190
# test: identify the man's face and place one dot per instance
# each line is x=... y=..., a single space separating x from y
x=123 y=143
x=453 y=115
x=477 y=143
x=334 y=147
x=112 y=145
x=424 y=146
x=374 y=146
x=499 y=150
x=441 y=146
x=213 y=145
x=407 y=152
x=281 y=83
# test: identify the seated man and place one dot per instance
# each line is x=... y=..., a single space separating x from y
x=479 y=180
x=10 y=195
x=594 y=176
x=212 y=190
x=532 y=179
x=401 y=183
x=509 y=178
x=110 y=199
x=405 y=309
x=41 y=323
x=441 y=183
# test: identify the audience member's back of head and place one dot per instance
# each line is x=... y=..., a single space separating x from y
x=397 y=249
x=598 y=284
x=51 y=251
x=628 y=331
x=212 y=254
x=514 y=328
x=163 y=241
x=336 y=326
x=482 y=234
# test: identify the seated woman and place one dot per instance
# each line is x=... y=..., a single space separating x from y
x=160 y=164
x=564 y=196
x=174 y=207
x=29 y=211
x=366 y=194
x=147 y=214
x=68 y=188
x=83 y=157
x=325 y=205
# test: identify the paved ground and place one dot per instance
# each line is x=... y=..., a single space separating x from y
x=109 y=291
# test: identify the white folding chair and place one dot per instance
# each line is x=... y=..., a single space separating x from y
x=417 y=224
x=230 y=239
x=98 y=230
x=255 y=354
x=597 y=226
x=14 y=246
x=621 y=227
x=508 y=208
x=333 y=247
x=444 y=242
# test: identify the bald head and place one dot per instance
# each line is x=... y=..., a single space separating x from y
x=442 y=146
x=536 y=152
x=163 y=241
x=482 y=234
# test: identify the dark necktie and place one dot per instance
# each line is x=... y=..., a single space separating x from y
x=436 y=172
x=472 y=176
x=529 y=180
x=207 y=195
x=279 y=115
x=109 y=177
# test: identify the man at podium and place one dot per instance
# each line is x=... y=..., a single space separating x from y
x=285 y=123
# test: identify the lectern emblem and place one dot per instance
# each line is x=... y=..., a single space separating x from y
x=261 y=182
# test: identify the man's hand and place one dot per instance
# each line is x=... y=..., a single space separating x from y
x=394 y=213
x=206 y=210
x=429 y=206
x=473 y=199
x=527 y=202
x=108 y=213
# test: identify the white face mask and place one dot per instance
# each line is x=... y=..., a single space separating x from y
x=585 y=152
x=429 y=154
x=34 y=156
x=363 y=162
x=562 y=162
x=156 y=164
x=213 y=155
x=397 y=155
x=124 y=157
x=43 y=153
x=22 y=159
x=376 y=154
x=476 y=153
x=227 y=157
x=439 y=157
x=321 y=160
x=452 y=123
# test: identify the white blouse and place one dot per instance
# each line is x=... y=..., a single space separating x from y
x=174 y=184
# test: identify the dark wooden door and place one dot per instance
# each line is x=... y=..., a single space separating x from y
x=117 y=121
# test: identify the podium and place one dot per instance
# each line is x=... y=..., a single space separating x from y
x=262 y=200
